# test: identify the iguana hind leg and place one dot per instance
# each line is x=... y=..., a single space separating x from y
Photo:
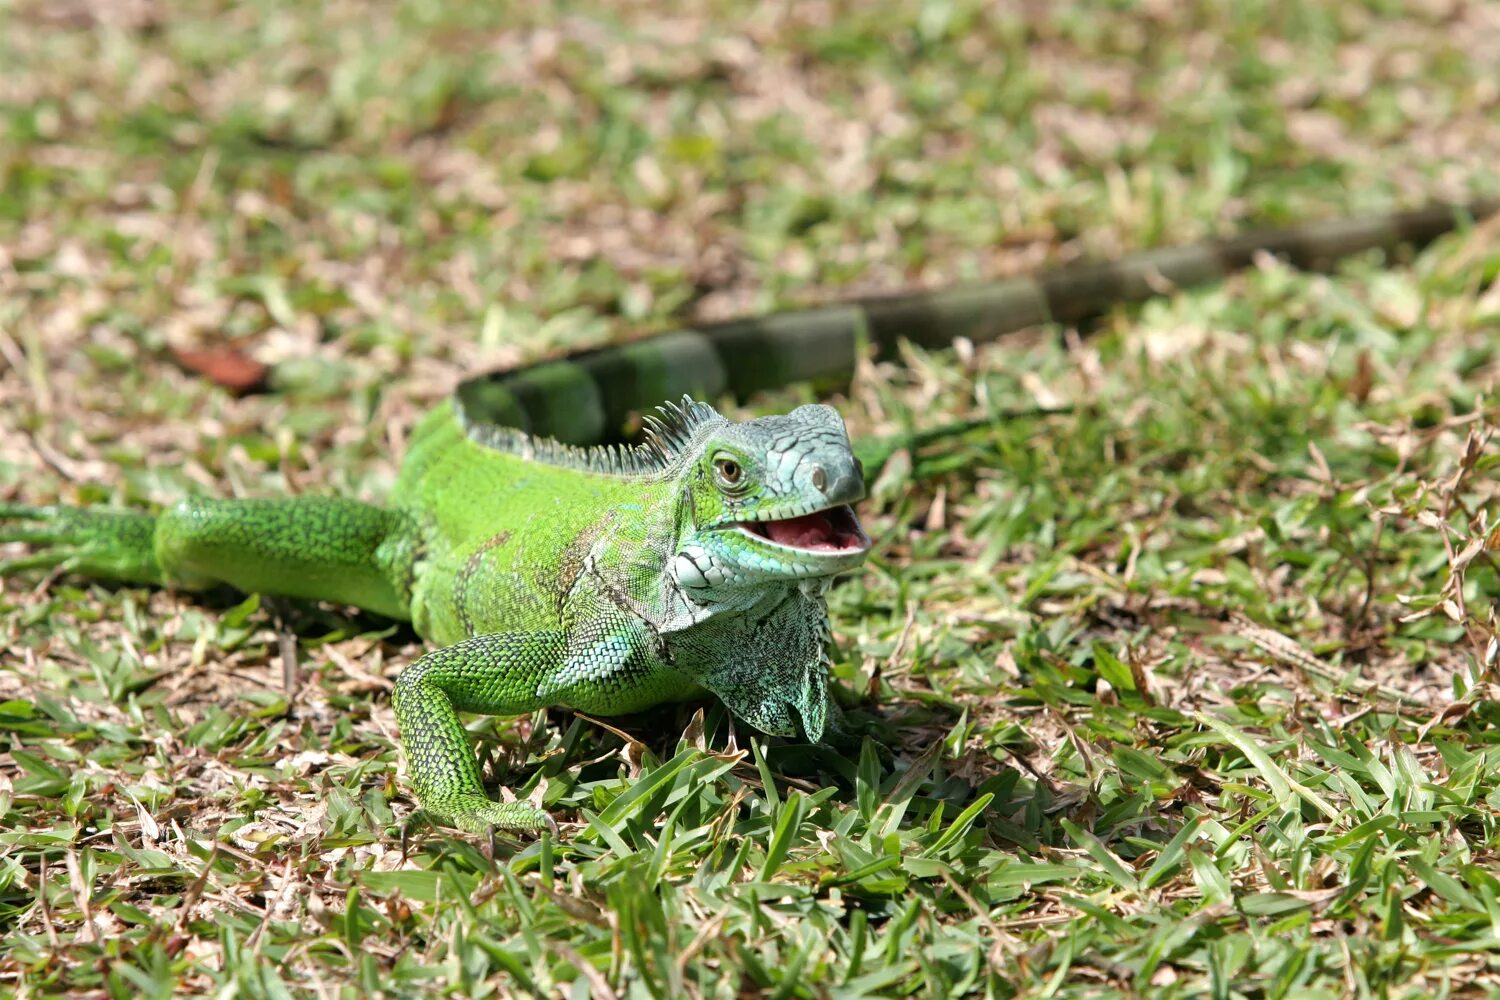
x=99 y=542
x=321 y=548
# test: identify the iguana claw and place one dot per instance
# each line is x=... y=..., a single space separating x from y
x=478 y=814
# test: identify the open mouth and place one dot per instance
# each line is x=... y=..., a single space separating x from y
x=834 y=531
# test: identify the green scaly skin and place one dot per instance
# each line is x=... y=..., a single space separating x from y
x=609 y=580
x=605 y=580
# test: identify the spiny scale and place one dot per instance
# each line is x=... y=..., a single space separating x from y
x=670 y=433
x=667 y=434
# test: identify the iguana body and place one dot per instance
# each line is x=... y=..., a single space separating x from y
x=611 y=579
x=606 y=580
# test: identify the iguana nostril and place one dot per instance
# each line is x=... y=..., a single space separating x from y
x=819 y=478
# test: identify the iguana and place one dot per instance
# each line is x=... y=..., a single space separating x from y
x=612 y=578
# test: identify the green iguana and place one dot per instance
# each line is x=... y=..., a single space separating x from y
x=612 y=578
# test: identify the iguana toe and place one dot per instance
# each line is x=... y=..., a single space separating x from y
x=477 y=814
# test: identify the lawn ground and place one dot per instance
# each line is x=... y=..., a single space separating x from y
x=1187 y=690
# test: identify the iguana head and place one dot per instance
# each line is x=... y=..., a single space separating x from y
x=764 y=521
x=769 y=501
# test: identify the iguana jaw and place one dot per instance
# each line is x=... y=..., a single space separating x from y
x=832 y=532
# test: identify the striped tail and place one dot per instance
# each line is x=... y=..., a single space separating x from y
x=590 y=396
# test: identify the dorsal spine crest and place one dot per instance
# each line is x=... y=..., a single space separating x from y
x=668 y=434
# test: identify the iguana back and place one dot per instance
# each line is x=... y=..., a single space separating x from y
x=497 y=526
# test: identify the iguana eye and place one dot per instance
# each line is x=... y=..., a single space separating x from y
x=729 y=472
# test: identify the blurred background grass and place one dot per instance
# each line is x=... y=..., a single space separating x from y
x=477 y=182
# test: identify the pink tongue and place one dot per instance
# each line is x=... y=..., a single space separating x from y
x=810 y=531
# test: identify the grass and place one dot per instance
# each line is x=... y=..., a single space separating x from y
x=1189 y=690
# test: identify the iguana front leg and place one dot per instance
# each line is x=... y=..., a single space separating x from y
x=489 y=674
x=506 y=673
